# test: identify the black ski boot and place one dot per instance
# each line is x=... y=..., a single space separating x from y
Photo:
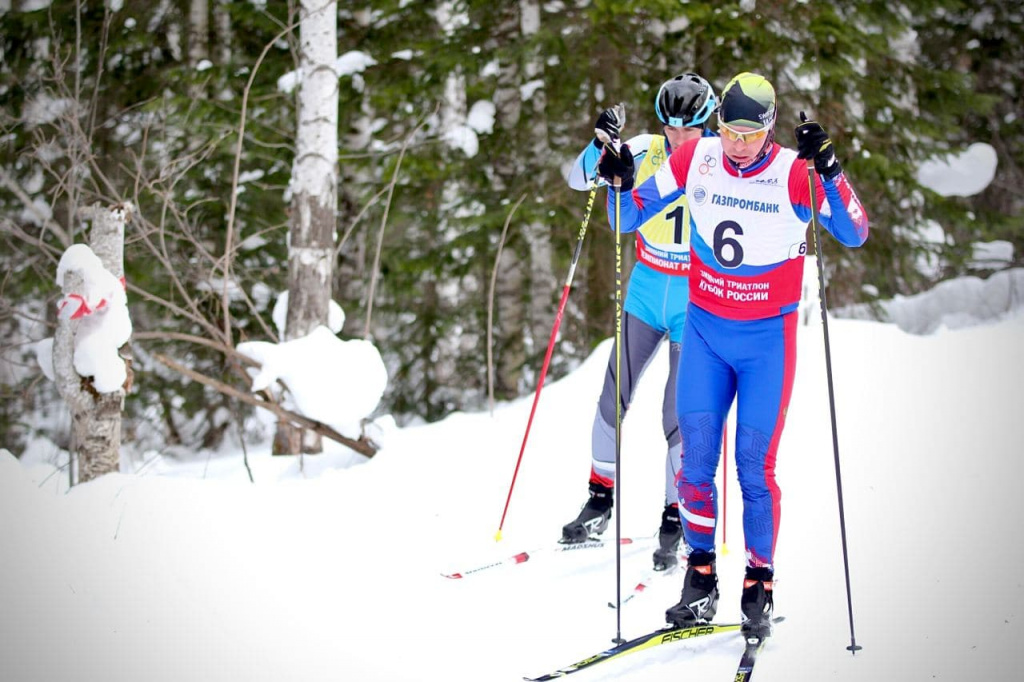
x=669 y=535
x=757 y=603
x=700 y=592
x=593 y=518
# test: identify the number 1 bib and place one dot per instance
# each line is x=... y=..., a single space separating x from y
x=663 y=242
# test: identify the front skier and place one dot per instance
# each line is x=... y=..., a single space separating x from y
x=750 y=205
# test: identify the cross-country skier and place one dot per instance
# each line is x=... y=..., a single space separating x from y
x=750 y=203
x=655 y=305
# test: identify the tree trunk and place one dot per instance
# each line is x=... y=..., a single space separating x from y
x=597 y=270
x=510 y=299
x=509 y=303
x=541 y=311
x=95 y=417
x=352 y=265
x=198 y=41
x=224 y=44
x=315 y=187
x=198 y=31
x=453 y=115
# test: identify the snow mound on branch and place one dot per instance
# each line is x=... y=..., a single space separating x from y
x=335 y=382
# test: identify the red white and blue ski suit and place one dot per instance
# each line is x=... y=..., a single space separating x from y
x=747 y=246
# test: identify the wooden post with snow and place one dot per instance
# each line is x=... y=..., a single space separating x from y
x=95 y=411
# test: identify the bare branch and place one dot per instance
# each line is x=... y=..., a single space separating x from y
x=177 y=310
x=230 y=230
x=362 y=211
x=198 y=340
x=25 y=199
x=52 y=252
x=363 y=446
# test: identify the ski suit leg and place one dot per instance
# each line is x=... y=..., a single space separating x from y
x=706 y=387
x=766 y=369
x=670 y=424
x=677 y=298
x=639 y=344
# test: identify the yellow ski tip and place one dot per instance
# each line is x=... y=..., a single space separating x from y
x=497 y=536
x=725 y=549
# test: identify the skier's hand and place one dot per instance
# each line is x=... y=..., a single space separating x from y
x=617 y=165
x=609 y=125
x=812 y=142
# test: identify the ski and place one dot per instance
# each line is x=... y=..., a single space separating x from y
x=523 y=557
x=644 y=583
x=664 y=635
x=746 y=668
x=753 y=647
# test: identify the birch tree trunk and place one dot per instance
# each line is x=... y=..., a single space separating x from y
x=314 y=191
x=95 y=417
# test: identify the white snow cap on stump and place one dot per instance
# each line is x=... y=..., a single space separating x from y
x=104 y=324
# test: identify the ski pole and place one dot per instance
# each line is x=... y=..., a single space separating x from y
x=617 y=183
x=618 y=411
x=551 y=346
x=854 y=647
x=523 y=557
x=643 y=584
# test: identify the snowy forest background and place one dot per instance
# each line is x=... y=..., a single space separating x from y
x=456 y=124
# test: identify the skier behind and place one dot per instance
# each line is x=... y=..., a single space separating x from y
x=750 y=203
x=655 y=304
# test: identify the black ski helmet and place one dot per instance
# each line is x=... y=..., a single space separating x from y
x=686 y=101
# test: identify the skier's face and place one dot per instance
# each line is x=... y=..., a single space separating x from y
x=742 y=144
x=676 y=136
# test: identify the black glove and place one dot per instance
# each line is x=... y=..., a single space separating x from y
x=612 y=165
x=609 y=125
x=813 y=142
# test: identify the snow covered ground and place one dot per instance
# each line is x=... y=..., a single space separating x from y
x=185 y=570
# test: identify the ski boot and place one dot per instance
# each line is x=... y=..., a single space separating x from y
x=699 y=600
x=757 y=603
x=669 y=535
x=593 y=518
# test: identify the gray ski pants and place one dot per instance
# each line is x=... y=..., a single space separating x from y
x=640 y=342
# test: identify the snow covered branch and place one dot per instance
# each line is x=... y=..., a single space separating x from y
x=363 y=445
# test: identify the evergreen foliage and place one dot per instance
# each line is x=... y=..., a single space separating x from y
x=105 y=105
